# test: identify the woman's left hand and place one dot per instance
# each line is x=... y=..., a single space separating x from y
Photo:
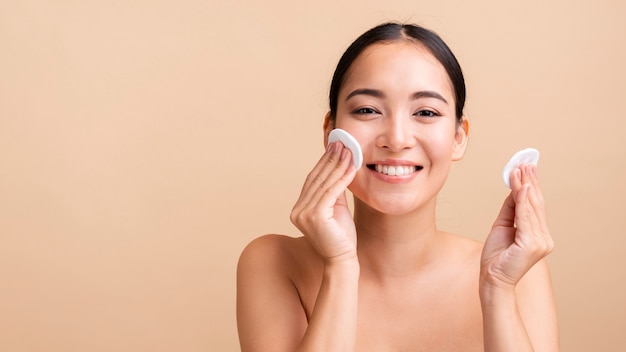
x=519 y=237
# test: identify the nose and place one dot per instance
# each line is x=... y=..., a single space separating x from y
x=396 y=134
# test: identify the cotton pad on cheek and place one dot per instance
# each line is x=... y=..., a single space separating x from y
x=349 y=142
x=524 y=156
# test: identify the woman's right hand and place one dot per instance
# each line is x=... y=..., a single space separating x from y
x=321 y=212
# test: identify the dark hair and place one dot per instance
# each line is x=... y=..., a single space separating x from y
x=388 y=32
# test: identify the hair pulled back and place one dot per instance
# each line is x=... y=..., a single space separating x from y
x=389 y=32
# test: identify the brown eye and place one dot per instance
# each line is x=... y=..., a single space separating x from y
x=365 y=111
x=426 y=113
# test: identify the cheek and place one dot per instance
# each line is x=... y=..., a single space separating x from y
x=361 y=132
x=439 y=143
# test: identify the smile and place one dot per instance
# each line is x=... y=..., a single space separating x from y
x=394 y=170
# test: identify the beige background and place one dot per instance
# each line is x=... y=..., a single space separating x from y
x=144 y=143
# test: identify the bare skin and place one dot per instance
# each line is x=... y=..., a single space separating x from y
x=386 y=278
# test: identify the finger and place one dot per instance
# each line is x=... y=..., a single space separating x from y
x=532 y=231
x=317 y=173
x=334 y=194
x=318 y=177
x=522 y=175
x=524 y=213
x=314 y=177
x=516 y=182
x=535 y=180
x=336 y=181
x=323 y=201
x=530 y=219
x=536 y=201
x=524 y=224
x=535 y=197
x=329 y=170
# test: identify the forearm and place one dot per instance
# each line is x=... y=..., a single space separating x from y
x=503 y=327
x=332 y=325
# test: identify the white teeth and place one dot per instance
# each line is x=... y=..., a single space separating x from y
x=395 y=170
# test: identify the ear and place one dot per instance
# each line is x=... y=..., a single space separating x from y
x=329 y=125
x=460 y=139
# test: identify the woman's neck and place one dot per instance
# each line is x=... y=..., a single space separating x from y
x=396 y=245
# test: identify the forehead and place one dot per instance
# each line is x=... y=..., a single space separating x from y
x=398 y=66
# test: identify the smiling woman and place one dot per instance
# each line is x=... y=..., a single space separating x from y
x=386 y=278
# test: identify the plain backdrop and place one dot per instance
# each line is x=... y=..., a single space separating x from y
x=143 y=144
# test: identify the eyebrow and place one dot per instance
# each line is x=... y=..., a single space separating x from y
x=366 y=91
x=379 y=94
x=428 y=94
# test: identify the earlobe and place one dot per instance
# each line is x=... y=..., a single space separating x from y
x=460 y=140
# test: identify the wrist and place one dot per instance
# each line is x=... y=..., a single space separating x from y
x=345 y=259
x=496 y=294
x=344 y=265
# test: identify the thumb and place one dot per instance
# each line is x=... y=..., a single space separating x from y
x=506 y=218
x=503 y=232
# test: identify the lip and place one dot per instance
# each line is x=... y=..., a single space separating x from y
x=394 y=162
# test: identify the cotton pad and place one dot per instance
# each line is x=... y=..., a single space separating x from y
x=349 y=142
x=524 y=156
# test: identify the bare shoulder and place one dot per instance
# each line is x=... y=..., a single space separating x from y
x=269 y=300
x=279 y=258
x=265 y=247
x=464 y=247
x=275 y=251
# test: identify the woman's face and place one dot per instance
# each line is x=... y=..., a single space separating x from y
x=398 y=102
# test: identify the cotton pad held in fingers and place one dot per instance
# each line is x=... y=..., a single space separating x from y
x=524 y=156
x=349 y=142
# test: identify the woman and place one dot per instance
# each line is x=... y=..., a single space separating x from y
x=387 y=279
